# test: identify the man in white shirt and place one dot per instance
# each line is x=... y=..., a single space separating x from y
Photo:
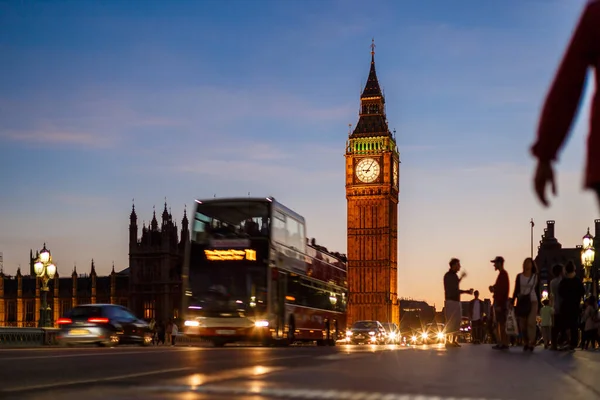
x=476 y=314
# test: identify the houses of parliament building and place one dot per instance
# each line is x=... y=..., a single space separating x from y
x=150 y=286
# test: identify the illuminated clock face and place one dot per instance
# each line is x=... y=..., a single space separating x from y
x=367 y=170
x=395 y=174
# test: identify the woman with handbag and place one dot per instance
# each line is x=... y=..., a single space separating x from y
x=527 y=297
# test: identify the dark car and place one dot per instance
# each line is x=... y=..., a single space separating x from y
x=366 y=332
x=102 y=324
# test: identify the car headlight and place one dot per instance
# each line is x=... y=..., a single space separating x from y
x=261 y=323
x=424 y=335
x=372 y=333
x=391 y=335
x=348 y=333
x=414 y=338
x=440 y=335
x=191 y=323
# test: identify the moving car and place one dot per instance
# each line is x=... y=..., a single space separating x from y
x=430 y=333
x=366 y=332
x=434 y=333
x=392 y=332
x=102 y=324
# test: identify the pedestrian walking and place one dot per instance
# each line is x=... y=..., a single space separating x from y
x=452 y=306
x=527 y=297
x=558 y=327
x=547 y=316
x=174 y=332
x=500 y=291
x=571 y=291
x=563 y=101
x=476 y=316
x=590 y=319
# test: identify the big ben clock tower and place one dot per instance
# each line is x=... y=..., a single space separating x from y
x=372 y=185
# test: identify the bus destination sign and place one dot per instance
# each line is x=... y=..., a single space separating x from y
x=230 y=255
x=229 y=243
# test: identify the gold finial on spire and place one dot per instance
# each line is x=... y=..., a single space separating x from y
x=373 y=46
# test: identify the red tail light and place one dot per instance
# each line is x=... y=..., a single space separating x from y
x=98 y=320
x=63 y=321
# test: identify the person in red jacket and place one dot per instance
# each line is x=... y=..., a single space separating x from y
x=562 y=103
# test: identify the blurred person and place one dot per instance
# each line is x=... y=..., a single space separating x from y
x=558 y=329
x=475 y=314
x=571 y=291
x=590 y=319
x=174 y=332
x=160 y=333
x=169 y=331
x=562 y=104
x=527 y=297
x=500 y=291
x=546 y=314
x=452 y=306
x=152 y=328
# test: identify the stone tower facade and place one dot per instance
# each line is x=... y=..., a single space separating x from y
x=155 y=266
x=372 y=187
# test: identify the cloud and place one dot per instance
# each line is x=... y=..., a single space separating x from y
x=103 y=118
x=83 y=139
x=263 y=163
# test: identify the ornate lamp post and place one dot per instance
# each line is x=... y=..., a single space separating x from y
x=45 y=270
x=587 y=260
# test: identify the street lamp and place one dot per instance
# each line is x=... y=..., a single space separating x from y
x=587 y=260
x=45 y=270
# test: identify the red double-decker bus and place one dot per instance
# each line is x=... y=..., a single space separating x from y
x=251 y=275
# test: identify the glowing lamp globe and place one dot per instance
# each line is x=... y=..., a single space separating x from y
x=44 y=255
x=51 y=270
x=589 y=255
x=588 y=240
x=38 y=268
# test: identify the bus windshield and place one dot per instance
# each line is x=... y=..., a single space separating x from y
x=231 y=220
x=232 y=291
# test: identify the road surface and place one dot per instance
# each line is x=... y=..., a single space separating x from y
x=343 y=372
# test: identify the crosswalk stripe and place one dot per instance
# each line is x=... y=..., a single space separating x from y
x=313 y=394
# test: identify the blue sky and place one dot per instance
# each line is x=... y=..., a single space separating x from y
x=102 y=102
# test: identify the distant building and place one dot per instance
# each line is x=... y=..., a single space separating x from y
x=551 y=252
x=20 y=299
x=415 y=313
x=155 y=266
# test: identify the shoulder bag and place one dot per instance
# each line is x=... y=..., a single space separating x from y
x=523 y=307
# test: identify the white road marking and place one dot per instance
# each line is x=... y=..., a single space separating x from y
x=84 y=381
x=194 y=379
x=342 y=356
x=106 y=352
x=301 y=393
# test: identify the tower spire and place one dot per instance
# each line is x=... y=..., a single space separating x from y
x=372 y=88
x=372 y=121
